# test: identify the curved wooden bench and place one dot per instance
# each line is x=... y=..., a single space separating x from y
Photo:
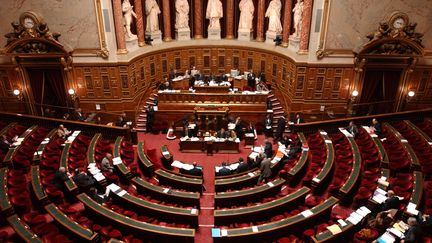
x=317 y=182
x=224 y=199
x=301 y=163
x=122 y=168
x=40 y=149
x=70 y=184
x=349 y=184
x=165 y=194
x=273 y=230
x=381 y=150
x=92 y=147
x=415 y=165
x=38 y=190
x=177 y=214
x=419 y=131
x=72 y=226
x=417 y=193
x=149 y=231
x=347 y=232
x=144 y=160
x=178 y=181
x=258 y=212
x=167 y=157
x=5 y=204
x=23 y=230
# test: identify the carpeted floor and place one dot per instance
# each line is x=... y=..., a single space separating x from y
x=206 y=219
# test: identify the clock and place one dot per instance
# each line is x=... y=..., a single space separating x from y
x=399 y=23
x=28 y=23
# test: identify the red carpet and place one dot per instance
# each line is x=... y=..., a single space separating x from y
x=206 y=219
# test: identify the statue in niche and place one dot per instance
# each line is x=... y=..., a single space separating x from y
x=214 y=12
x=182 y=14
x=246 y=15
x=298 y=16
x=152 y=12
x=128 y=12
x=273 y=13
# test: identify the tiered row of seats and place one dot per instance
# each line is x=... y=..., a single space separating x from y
x=319 y=157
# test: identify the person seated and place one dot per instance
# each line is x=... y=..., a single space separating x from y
x=62 y=132
x=106 y=164
x=224 y=171
x=82 y=180
x=79 y=115
x=232 y=135
x=4 y=144
x=285 y=141
x=242 y=167
x=99 y=198
x=268 y=149
x=383 y=220
x=195 y=171
x=352 y=128
x=60 y=176
x=376 y=127
x=413 y=234
x=298 y=119
x=222 y=133
x=425 y=222
x=392 y=201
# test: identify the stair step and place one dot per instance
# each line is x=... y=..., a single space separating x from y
x=277 y=108
x=140 y=129
x=142 y=115
x=276 y=103
x=278 y=112
x=142 y=120
x=141 y=125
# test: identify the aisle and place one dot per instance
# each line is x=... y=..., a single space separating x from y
x=205 y=218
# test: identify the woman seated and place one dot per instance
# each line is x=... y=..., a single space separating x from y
x=232 y=135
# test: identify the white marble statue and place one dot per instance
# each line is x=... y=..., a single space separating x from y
x=298 y=13
x=182 y=14
x=273 y=13
x=128 y=12
x=246 y=15
x=214 y=12
x=152 y=11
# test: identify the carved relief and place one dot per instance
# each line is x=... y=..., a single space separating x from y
x=395 y=36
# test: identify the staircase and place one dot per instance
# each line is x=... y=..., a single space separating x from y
x=277 y=111
x=141 y=118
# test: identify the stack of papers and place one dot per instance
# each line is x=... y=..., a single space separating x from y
x=328 y=141
x=379 y=195
x=323 y=133
x=270 y=184
x=386 y=238
x=306 y=213
x=181 y=165
x=412 y=208
x=233 y=166
x=334 y=229
x=117 y=161
x=383 y=181
x=165 y=153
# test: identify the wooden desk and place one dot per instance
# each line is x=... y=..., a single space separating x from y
x=23 y=230
x=227 y=146
x=212 y=89
x=319 y=179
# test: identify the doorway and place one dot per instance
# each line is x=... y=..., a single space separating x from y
x=379 y=91
x=48 y=89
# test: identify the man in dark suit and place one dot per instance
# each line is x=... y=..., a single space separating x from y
x=392 y=201
x=280 y=129
x=352 y=128
x=251 y=80
x=83 y=180
x=224 y=171
x=239 y=128
x=268 y=149
x=195 y=171
x=221 y=133
x=242 y=166
x=268 y=130
x=60 y=177
x=4 y=144
x=298 y=119
x=376 y=127
x=414 y=233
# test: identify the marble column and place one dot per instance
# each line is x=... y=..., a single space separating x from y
x=139 y=23
x=306 y=26
x=198 y=19
x=260 y=20
x=230 y=19
x=286 y=28
x=119 y=28
x=166 y=20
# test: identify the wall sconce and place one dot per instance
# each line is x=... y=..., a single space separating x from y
x=72 y=94
x=354 y=95
x=410 y=95
x=18 y=94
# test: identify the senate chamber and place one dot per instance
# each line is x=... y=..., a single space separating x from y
x=215 y=121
